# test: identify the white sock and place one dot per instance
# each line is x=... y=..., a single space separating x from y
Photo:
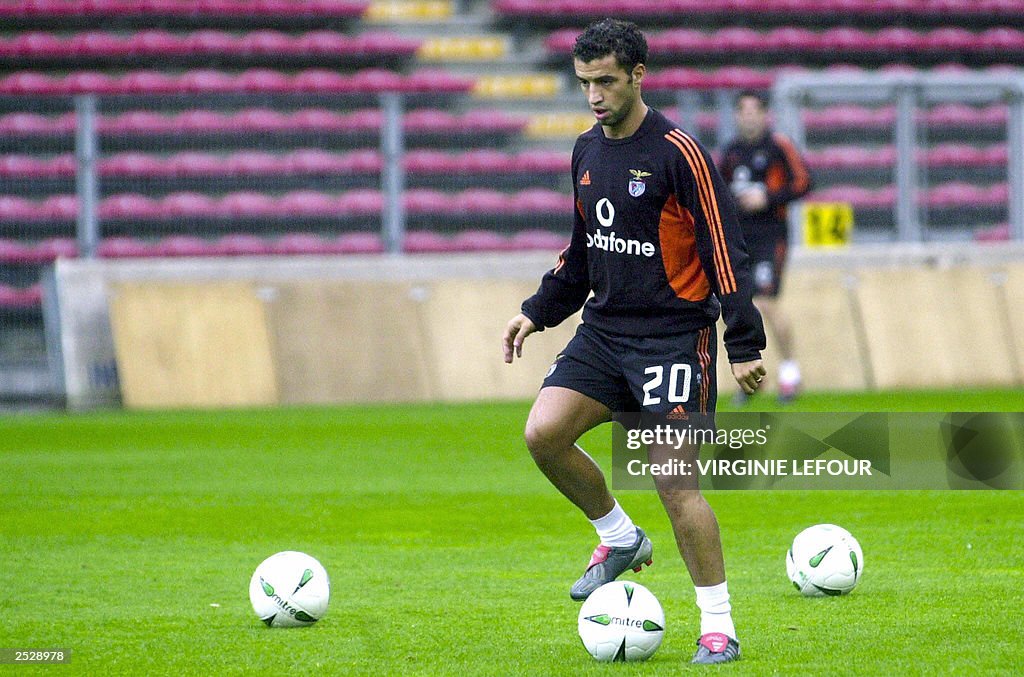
x=615 y=529
x=789 y=373
x=715 y=610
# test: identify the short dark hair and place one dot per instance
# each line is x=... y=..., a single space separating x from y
x=761 y=97
x=612 y=36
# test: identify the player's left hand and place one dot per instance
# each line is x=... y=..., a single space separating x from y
x=749 y=375
x=754 y=199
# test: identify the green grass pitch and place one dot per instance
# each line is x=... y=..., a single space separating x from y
x=129 y=538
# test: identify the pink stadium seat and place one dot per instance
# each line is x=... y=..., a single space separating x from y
x=132 y=164
x=858 y=196
x=25 y=124
x=127 y=207
x=539 y=240
x=1001 y=40
x=790 y=38
x=481 y=240
x=156 y=43
x=851 y=157
x=433 y=81
x=30 y=83
x=262 y=119
x=429 y=162
x=543 y=201
x=209 y=42
x=492 y=121
x=319 y=80
x=543 y=161
x=14 y=208
x=265 y=42
x=430 y=120
x=482 y=162
x=955 y=155
x=205 y=81
x=242 y=244
x=737 y=40
x=358 y=243
x=59 y=208
x=89 y=82
x=246 y=204
x=483 y=201
x=373 y=80
x=995 y=234
x=381 y=43
x=955 y=194
x=323 y=42
x=424 y=201
x=191 y=163
x=52 y=249
x=948 y=40
x=898 y=40
x=263 y=80
x=676 y=78
x=997 y=194
x=300 y=243
x=307 y=203
x=34 y=43
x=854 y=117
x=16 y=297
x=360 y=202
x=996 y=155
x=24 y=166
x=123 y=248
x=183 y=245
x=187 y=204
x=426 y=242
x=147 y=82
x=252 y=163
x=96 y=43
x=13 y=252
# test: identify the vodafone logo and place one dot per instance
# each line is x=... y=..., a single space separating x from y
x=605 y=211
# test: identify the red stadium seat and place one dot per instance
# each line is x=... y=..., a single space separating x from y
x=30 y=83
x=429 y=162
x=132 y=164
x=265 y=42
x=433 y=81
x=318 y=80
x=948 y=40
x=301 y=243
x=209 y=42
x=26 y=167
x=96 y=44
x=16 y=297
x=542 y=161
x=1001 y=40
x=263 y=80
x=52 y=249
x=246 y=204
x=205 y=81
x=59 y=208
x=737 y=40
x=31 y=44
x=252 y=163
x=14 y=208
x=156 y=43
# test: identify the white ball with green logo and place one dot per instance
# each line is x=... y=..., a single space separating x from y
x=621 y=621
x=289 y=590
x=824 y=560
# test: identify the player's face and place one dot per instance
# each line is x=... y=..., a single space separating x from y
x=751 y=118
x=611 y=92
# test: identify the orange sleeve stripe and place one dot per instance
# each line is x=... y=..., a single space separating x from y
x=713 y=199
x=561 y=261
x=703 y=203
x=726 y=279
x=801 y=177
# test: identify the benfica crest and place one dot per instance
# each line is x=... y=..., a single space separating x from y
x=636 y=184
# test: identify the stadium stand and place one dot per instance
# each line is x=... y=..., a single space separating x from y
x=252 y=127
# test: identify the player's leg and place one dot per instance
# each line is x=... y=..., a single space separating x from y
x=692 y=393
x=580 y=392
x=559 y=417
x=766 y=298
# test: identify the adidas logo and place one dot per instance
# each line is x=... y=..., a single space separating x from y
x=678 y=414
x=585 y=181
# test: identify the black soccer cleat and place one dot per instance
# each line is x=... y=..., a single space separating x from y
x=716 y=647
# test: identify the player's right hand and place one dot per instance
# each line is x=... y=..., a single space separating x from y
x=518 y=328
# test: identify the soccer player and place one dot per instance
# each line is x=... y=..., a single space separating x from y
x=655 y=238
x=766 y=173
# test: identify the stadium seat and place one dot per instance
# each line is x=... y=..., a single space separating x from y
x=182 y=245
x=476 y=240
x=307 y=202
x=533 y=239
x=128 y=207
x=186 y=204
x=20 y=298
x=358 y=243
x=425 y=242
x=995 y=234
x=123 y=248
x=241 y=244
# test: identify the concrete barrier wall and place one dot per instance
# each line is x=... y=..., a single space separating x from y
x=391 y=330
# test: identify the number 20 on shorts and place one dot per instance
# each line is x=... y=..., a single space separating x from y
x=678 y=383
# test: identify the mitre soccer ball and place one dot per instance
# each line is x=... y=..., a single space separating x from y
x=289 y=590
x=621 y=621
x=824 y=560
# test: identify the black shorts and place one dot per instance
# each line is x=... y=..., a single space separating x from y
x=655 y=374
x=767 y=263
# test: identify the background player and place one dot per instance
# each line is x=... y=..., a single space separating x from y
x=766 y=173
x=655 y=238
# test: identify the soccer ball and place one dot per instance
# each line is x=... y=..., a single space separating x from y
x=621 y=621
x=289 y=590
x=824 y=560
